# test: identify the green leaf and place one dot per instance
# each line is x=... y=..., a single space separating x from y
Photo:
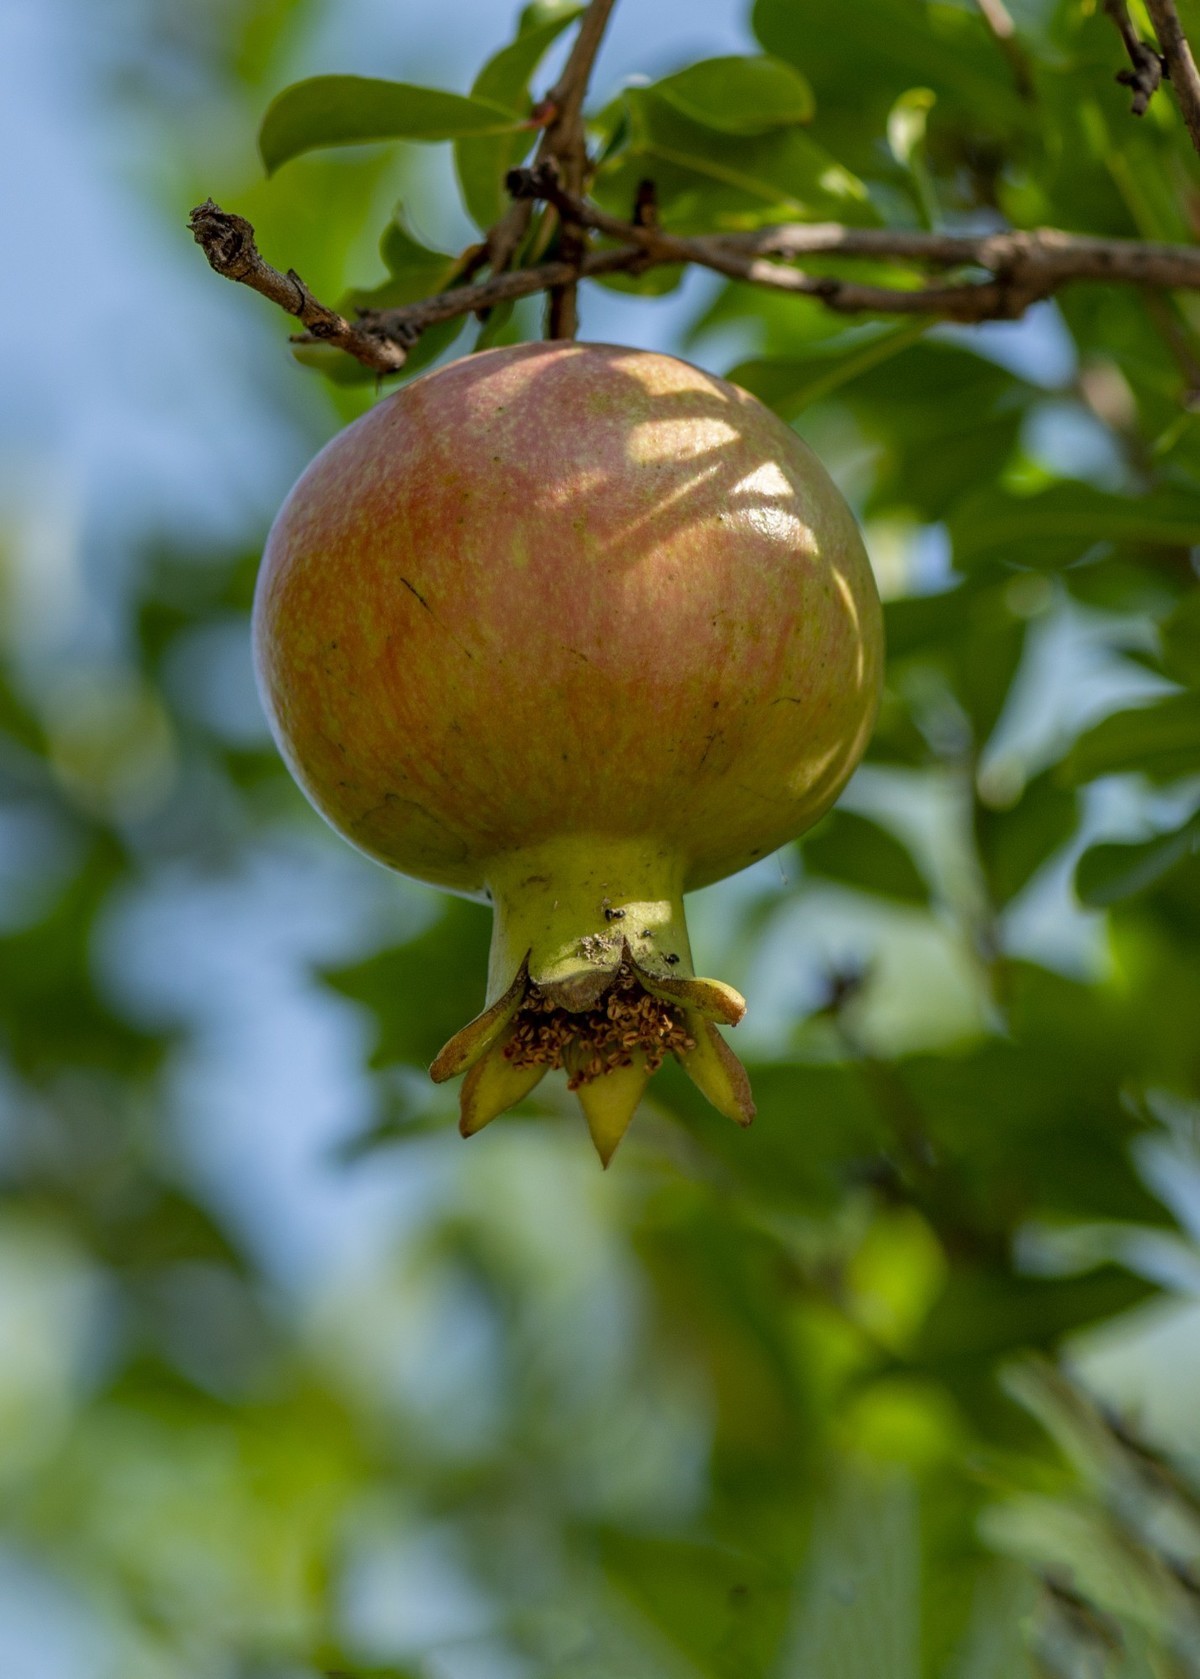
x=482 y=163
x=984 y=1313
x=995 y=1644
x=415 y=270
x=351 y=110
x=432 y=342
x=789 y=386
x=333 y=364
x=1108 y=873
x=985 y=662
x=875 y=51
x=738 y=95
x=704 y=1596
x=1033 y=1125
x=1161 y=740
x=830 y=1107
x=1014 y=843
x=906 y=125
x=972 y=634
x=403 y=252
x=1181 y=641
x=859 y=1615
x=852 y=849
x=1061 y=524
x=499 y=328
x=914 y=407
x=706 y=178
x=165 y=1228
x=908 y=392
x=52 y=1010
x=907 y=121
x=928 y=624
x=539 y=13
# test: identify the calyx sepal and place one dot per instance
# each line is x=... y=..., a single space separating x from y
x=609 y=1024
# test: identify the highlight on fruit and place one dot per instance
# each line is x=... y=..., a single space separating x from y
x=574 y=629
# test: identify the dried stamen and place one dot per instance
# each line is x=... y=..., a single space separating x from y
x=625 y=1019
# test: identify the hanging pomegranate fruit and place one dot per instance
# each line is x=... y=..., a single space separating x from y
x=576 y=629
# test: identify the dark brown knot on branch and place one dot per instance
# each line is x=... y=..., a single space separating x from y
x=1148 y=71
x=226 y=240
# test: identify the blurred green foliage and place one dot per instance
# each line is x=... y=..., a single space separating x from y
x=902 y=1383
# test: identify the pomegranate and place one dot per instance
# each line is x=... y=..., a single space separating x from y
x=574 y=629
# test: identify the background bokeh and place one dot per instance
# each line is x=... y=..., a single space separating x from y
x=904 y=1381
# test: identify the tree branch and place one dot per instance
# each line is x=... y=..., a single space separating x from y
x=1018 y=269
x=1025 y=266
x=564 y=134
x=228 y=243
x=411 y=320
x=1004 y=32
x=1180 y=65
x=565 y=143
x=1147 y=66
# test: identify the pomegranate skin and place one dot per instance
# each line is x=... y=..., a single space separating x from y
x=579 y=628
x=560 y=591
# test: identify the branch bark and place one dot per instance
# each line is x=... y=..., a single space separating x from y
x=565 y=143
x=1180 y=65
x=1004 y=32
x=1018 y=269
x=228 y=243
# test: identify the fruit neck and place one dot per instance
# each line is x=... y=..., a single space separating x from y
x=571 y=905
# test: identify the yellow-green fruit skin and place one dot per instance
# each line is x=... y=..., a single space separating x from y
x=564 y=592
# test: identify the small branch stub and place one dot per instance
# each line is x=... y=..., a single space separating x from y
x=1146 y=67
x=228 y=243
x=1147 y=72
x=1179 y=64
x=1149 y=68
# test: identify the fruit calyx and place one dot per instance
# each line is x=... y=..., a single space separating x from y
x=598 y=981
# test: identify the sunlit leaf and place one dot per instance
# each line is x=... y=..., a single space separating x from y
x=738 y=95
x=708 y=178
x=880 y=49
x=352 y=110
x=907 y=121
